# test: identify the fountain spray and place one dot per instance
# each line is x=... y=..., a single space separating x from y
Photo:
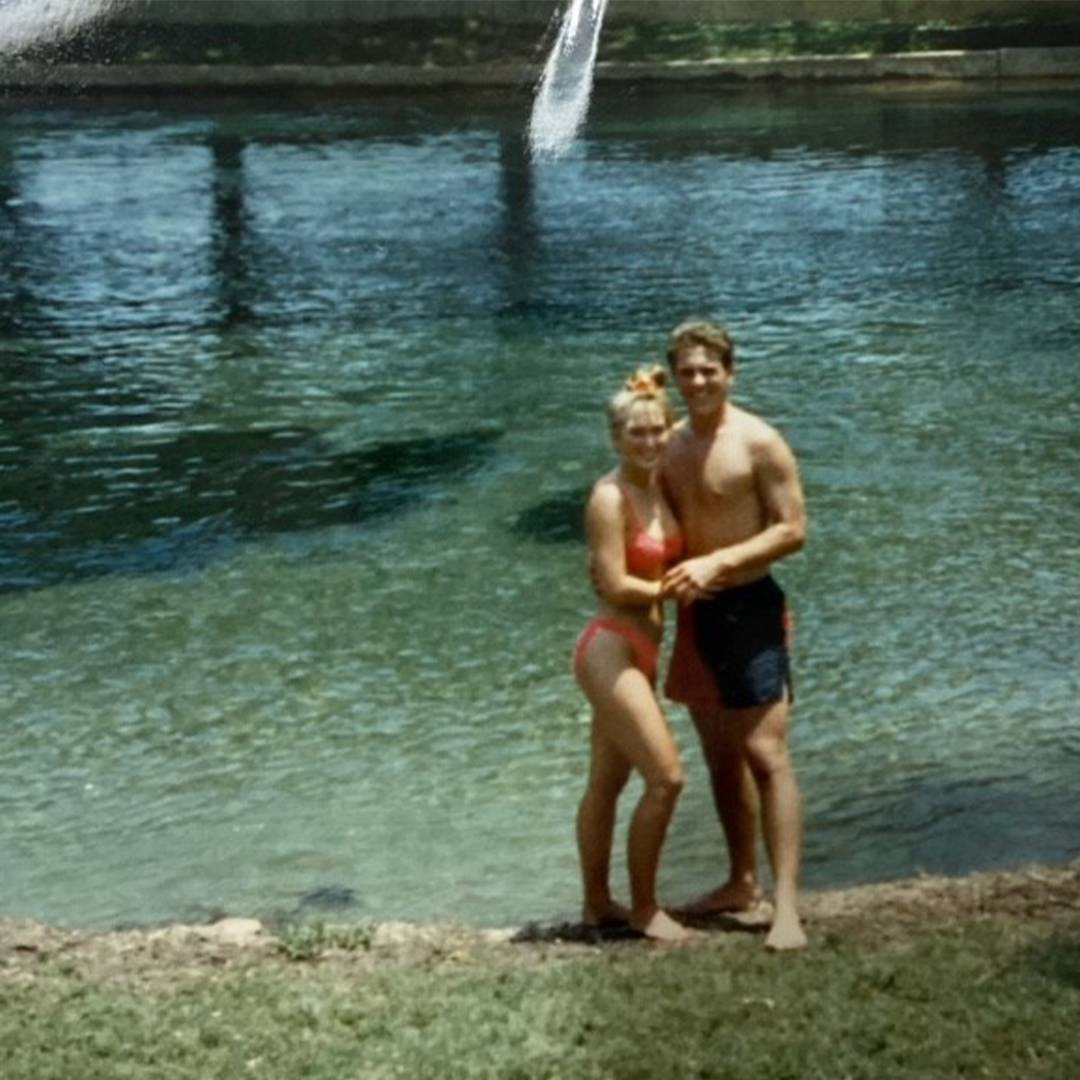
x=562 y=98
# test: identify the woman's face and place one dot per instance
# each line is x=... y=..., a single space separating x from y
x=641 y=438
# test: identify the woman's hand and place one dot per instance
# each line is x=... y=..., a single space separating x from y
x=695 y=578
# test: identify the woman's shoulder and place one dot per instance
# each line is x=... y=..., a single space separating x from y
x=606 y=496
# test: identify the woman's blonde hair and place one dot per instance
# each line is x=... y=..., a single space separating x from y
x=646 y=384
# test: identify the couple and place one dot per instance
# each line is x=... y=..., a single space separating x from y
x=694 y=512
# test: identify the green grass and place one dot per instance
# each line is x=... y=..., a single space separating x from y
x=996 y=997
x=762 y=40
x=309 y=940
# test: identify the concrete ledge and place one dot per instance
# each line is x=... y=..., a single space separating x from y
x=1039 y=63
x=930 y=65
x=262 y=77
x=933 y=66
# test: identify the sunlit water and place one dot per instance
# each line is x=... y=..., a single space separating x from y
x=299 y=406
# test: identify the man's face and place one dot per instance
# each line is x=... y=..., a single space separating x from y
x=703 y=381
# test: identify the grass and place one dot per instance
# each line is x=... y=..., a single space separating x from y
x=762 y=40
x=307 y=941
x=985 y=996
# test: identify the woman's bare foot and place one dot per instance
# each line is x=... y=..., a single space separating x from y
x=660 y=926
x=731 y=896
x=606 y=915
x=786 y=934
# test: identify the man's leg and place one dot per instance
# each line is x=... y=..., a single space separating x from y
x=763 y=735
x=735 y=798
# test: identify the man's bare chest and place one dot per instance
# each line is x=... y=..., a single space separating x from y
x=721 y=472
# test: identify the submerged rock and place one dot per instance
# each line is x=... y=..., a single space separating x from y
x=329 y=898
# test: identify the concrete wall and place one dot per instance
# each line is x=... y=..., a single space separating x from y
x=224 y=12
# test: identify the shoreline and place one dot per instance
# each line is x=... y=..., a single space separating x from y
x=1003 y=65
x=1034 y=892
x=926 y=979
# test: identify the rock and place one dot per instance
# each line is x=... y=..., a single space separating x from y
x=233 y=931
x=328 y=898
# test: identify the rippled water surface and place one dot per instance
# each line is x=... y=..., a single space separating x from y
x=299 y=406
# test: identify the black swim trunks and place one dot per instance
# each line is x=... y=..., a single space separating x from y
x=742 y=639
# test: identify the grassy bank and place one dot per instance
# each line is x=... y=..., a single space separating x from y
x=435 y=43
x=977 y=977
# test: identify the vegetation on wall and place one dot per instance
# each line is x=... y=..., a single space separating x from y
x=440 y=43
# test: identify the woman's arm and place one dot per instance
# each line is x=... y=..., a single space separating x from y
x=605 y=525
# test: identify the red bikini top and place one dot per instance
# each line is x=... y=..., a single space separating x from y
x=647 y=557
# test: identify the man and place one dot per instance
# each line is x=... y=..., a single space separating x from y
x=734 y=485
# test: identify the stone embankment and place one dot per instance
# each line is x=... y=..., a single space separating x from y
x=993 y=65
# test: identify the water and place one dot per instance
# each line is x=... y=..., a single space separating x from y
x=299 y=407
x=28 y=22
x=562 y=98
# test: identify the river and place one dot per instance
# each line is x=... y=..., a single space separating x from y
x=300 y=402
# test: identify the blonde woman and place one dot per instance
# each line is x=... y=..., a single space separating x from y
x=633 y=540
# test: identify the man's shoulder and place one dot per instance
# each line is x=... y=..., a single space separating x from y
x=755 y=429
x=767 y=447
x=679 y=434
x=677 y=450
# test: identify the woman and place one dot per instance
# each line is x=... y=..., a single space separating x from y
x=633 y=539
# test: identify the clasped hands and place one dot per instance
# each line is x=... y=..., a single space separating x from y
x=694 y=579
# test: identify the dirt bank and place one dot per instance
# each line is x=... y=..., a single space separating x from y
x=174 y=953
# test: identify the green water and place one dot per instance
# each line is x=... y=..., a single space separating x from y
x=299 y=406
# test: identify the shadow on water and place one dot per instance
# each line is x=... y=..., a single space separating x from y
x=559 y=519
x=178 y=504
x=519 y=234
x=230 y=231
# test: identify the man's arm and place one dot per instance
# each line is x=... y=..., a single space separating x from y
x=779 y=489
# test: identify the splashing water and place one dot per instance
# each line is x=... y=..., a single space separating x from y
x=27 y=22
x=562 y=99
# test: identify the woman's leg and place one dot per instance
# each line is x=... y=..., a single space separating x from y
x=608 y=773
x=630 y=727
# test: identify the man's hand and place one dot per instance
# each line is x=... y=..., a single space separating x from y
x=699 y=577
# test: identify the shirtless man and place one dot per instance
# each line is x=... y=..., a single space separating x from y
x=734 y=486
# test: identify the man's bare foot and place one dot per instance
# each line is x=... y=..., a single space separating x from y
x=660 y=926
x=786 y=934
x=607 y=915
x=732 y=896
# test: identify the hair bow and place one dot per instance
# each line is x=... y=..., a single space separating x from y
x=641 y=383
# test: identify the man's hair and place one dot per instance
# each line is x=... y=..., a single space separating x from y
x=710 y=336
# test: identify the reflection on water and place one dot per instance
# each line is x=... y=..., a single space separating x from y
x=555 y=519
x=300 y=409
x=144 y=502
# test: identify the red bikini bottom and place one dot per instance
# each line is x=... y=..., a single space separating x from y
x=646 y=651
